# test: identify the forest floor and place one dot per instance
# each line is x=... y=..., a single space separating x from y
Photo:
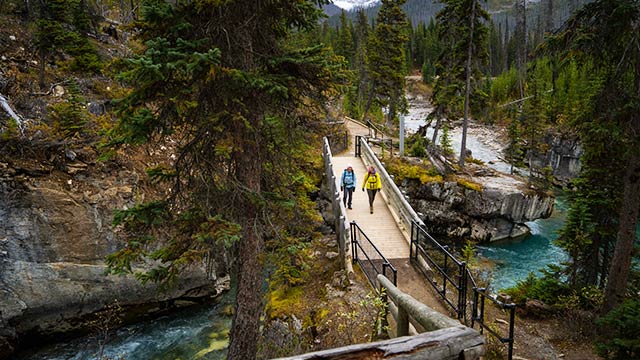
x=336 y=314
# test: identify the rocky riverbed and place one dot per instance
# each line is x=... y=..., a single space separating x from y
x=499 y=204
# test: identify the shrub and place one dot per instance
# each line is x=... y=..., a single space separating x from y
x=547 y=288
x=620 y=338
x=402 y=170
x=418 y=150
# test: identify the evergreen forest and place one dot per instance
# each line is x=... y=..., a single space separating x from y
x=243 y=92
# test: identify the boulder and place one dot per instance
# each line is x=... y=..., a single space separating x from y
x=499 y=210
x=54 y=238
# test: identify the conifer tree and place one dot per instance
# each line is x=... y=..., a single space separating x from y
x=62 y=26
x=386 y=59
x=462 y=32
x=605 y=33
x=360 y=59
x=222 y=79
x=344 y=42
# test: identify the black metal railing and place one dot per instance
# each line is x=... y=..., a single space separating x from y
x=479 y=297
x=453 y=281
x=371 y=261
x=444 y=272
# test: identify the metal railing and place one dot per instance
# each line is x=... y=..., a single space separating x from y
x=444 y=272
x=371 y=261
x=479 y=297
x=453 y=281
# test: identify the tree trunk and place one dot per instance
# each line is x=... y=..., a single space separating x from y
x=629 y=210
x=435 y=130
x=621 y=262
x=548 y=14
x=467 y=88
x=521 y=44
x=245 y=330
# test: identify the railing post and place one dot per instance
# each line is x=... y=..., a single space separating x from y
x=474 y=312
x=512 y=320
x=444 y=273
x=402 y=322
x=413 y=226
x=354 y=253
x=462 y=293
x=358 y=146
x=481 y=315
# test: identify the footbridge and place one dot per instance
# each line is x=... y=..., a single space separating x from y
x=434 y=302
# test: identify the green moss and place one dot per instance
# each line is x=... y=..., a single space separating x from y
x=468 y=184
x=284 y=301
x=402 y=170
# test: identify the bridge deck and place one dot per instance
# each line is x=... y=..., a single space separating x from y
x=382 y=228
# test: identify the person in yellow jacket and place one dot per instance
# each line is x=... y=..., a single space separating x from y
x=373 y=184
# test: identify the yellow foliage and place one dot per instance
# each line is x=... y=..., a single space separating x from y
x=402 y=170
x=284 y=300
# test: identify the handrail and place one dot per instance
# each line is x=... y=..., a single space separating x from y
x=410 y=308
x=395 y=199
x=468 y=293
x=343 y=231
x=360 y=240
x=452 y=272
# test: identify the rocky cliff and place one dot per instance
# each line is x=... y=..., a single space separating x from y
x=496 y=211
x=55 y=231
x=562 y=156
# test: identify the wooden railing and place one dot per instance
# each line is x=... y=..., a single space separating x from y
x=343 y=232
x=443 y=338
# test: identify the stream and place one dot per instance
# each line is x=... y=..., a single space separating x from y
x=514 y=260
x=198 y=332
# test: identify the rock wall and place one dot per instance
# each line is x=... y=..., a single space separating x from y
x=563 y=156
x=55 y=231
x=497 y=212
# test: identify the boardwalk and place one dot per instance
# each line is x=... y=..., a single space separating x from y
x=382 y=228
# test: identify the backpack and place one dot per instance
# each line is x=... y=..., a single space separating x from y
x=372 y=179
x=348 y=178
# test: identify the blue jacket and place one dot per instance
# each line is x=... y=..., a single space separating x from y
x=348 y=179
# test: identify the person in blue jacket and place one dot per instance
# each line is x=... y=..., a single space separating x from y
x=348 y=185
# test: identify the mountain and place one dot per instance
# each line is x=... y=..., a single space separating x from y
x=351 y=4
x=501 y=11
x=331 y=10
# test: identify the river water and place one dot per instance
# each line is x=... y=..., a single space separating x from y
x=514 y=259
x=200 y=332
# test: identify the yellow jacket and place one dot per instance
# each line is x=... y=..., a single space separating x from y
x=372 y=181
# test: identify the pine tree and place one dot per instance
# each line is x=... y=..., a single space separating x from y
x=360 y=65
x=61 y=27
x=344 y=42
x=386 y=59
x=604 y=33
x=236 y=96
x=463 y=33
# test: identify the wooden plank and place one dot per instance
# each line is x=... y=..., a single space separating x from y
x=458 y=342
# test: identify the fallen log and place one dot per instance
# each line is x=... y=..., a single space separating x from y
x=5 y=105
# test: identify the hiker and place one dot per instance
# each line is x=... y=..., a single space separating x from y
x=373 y=184
x=348 y=185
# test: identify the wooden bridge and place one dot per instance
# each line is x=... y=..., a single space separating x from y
x=415 y=306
